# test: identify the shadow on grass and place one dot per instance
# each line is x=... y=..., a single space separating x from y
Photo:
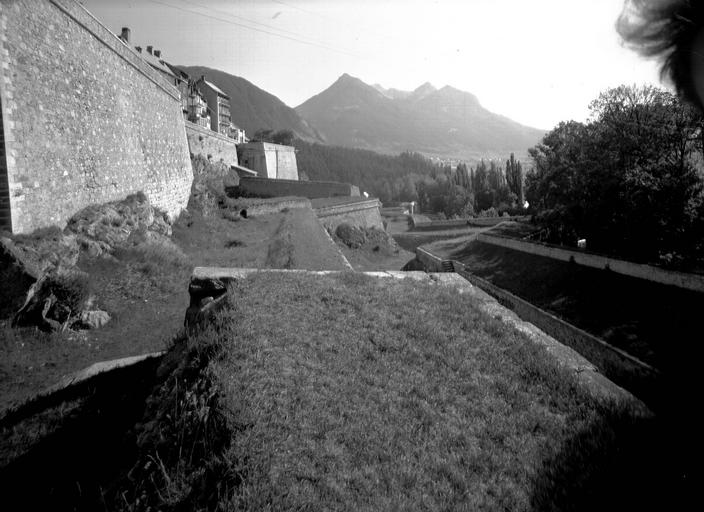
x=619 y=462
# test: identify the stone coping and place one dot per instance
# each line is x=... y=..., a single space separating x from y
x=71 y=385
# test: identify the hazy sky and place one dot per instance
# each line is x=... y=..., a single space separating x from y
x=536 y=61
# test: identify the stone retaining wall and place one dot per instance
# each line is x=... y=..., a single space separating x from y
x=617 y=365
x=361 y=214
x=264 y=187
x=213 y=145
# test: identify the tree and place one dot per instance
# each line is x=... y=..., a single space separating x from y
x=514 y=178
x=627 y=179
x=284 y=137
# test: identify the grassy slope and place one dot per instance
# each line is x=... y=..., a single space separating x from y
x=343 y=394
x=397 y=226
x=147 y=294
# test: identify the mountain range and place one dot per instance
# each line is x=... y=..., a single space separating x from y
x=445 y=123
x=442 y=122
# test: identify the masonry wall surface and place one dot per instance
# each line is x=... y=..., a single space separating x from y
x=85 y=120
x=311 y=189
x=693 y=282
x=208 y=143
x=5 y=213
x=362 y=214
x=270 y=160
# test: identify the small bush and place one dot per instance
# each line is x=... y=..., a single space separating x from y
x=234 y=243
x=490 y=212
x=72 y=289
x=47 y=233
x=352 y=237
x=231 y=215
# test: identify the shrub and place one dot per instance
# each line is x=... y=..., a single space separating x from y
x=350 y=236
x=234 y=243
x=71 y=289
x=490 y=212
x=41 y=234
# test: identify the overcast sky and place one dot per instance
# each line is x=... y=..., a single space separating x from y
x=535 y=61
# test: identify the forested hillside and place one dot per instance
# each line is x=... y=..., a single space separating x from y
x=492 y=187
x=390 y=178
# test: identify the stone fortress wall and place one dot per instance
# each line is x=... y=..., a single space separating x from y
x=84 y=119
x=203 y=141
x=265 y=187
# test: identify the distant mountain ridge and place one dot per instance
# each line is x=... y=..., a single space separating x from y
x=253 y=108
x=442 y=122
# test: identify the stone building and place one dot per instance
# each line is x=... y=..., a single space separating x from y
x=273 y=161
x=218 y=105
x=237 y=134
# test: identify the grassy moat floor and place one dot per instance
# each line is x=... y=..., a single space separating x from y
x=348 y=392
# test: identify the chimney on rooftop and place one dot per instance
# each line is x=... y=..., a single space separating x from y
x=149 y=49
x=138 y=48
x=157 y=54
x=125 y=35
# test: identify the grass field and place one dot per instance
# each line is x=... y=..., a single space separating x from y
x=343 y=393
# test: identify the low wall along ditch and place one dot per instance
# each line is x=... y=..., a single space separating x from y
x=619 y=366
x=692 y=282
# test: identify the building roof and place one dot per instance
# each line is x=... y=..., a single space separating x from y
x=268 y=145
x=215 y=88
x=176 y=71
x=244 y=170
x=154 y=62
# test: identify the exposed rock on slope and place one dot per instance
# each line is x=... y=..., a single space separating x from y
x=48 y=290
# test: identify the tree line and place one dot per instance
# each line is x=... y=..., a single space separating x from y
x=629 y=180
x=490 y=188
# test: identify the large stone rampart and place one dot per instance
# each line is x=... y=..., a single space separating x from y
x=85 y=119
x=362 y=213
x=264 y=187
x=215 y=146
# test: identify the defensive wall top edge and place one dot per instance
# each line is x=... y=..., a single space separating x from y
x=80 y=15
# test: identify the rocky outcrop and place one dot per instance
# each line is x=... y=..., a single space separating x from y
x=42 y=286
x=55 y=301
x=210 y=180
x=16 y=275
x=99 y=229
